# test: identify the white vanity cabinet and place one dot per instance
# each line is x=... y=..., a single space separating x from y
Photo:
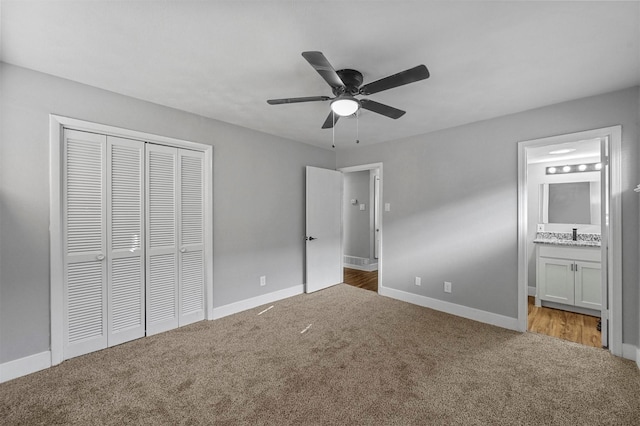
x=569 y=275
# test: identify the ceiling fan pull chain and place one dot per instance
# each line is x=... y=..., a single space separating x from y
x=358 y=126
x=333 y=129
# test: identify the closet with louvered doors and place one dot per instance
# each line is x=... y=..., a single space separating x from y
x=133 y=231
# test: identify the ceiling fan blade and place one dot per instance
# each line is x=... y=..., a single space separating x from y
x=324 y=68
x=296 y=100
x=331 y=120
x=400 y=79
x=383 y=109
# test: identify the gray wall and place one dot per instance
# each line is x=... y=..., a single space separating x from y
x=356 y=222
x=258 y=197
x=453 y=196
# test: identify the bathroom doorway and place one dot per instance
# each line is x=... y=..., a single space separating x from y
x=564 y=247
x=362 y=227
x=569 y=277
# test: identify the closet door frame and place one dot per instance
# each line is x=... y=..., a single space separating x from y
x=57 y=124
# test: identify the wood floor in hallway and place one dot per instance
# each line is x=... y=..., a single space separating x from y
x=361 y=279
x=565 y=325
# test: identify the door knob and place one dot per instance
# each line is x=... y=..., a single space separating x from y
x=100 y=257
x=182 y=250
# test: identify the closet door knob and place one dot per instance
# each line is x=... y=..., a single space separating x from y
x=100 y=257
x=182 y=250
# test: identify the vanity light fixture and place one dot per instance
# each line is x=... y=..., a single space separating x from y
x=587 y=167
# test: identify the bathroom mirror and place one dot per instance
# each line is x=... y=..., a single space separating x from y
x=570 y=203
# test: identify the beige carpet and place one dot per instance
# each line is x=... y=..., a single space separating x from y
x=366 y=359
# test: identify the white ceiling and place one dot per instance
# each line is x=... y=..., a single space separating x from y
x=224 y=59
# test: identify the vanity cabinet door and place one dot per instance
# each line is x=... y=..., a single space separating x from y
x=588 y=292
x=556 y=280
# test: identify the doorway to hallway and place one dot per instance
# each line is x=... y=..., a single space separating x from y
x=362 y=225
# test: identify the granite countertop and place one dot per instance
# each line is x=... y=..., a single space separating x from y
x=564 y=239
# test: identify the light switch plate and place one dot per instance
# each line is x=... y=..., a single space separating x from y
x=387 y=207
x=362 y=206
x=540 y=227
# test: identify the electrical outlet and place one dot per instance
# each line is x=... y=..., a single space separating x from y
x=418 y=281
x=263 y=280
x=447 y=287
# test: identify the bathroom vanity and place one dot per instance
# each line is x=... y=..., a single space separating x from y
x=568 y=272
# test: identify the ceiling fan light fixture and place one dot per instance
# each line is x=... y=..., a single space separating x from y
x=345 y=106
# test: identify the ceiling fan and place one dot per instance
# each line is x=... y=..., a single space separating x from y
x=347 y=83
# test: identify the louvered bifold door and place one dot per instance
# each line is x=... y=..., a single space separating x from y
x=191 y=235
x=162 y=238
x=125 y=230
x=84 y=243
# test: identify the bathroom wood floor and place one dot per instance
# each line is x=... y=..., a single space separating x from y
x=564 y=325
x=361 y=279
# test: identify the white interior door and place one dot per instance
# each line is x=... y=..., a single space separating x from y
x=85 y=243
x=191 y=236
x=323 y=228
x=125 y=230
x=162 y=239
x=175 y=243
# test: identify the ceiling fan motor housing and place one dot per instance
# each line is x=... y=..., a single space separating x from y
x=352 y=80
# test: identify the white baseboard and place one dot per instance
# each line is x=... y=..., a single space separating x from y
x=30 y=364
x=23 y=366
x=451 y=308
x=367 y=268
x=243 y=305
x=531 y=291
x=631 y=352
